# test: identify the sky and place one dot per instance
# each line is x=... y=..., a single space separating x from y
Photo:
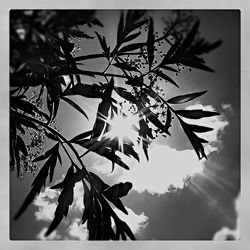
x=206 y=209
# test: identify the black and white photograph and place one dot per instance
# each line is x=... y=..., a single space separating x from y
x=124 y=124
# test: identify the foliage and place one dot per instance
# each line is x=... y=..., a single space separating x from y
x=42 y=49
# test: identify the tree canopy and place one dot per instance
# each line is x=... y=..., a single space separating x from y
x=44 y=70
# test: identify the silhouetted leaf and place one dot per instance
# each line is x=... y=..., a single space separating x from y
x=127 y=230
x=86 y=90
x=87 y=201
x=118 y=190
x=48 y=153
x=189 y=38
x=99 y=184
x=64 y=201
x=194 y=140
x=194 y=64
x=199 y=129
x=51 y=136
x=196 y=114
x=37 y=185
x=120 y=29
x=131 y=47
x=152 y=94
x=81 y=136
x=150 y=43
x=74 y=105
x=21 y=145
x=77 y=33
x=95 y=21
x=131 y=37
x=104 y=46
x=169 y=68
x=168 y=120
x=185 y=98
x=165 y=77
x=125 y=94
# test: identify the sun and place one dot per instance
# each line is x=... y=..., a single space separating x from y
x=122 y=127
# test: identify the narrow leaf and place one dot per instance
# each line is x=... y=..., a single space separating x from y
x=131 y=37
x=150 y=43
x=81 y=136
x=196 y=114
x=185 y=98
x=131 y=47
x=165 y=77
x=199 y=129
x=74 y=105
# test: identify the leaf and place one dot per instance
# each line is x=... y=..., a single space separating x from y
x=27 y=123
x=199 y=129
x=125 y=94
x=165 y=77
x=48 y=153
x=86 y=90
x=21 y=145
x=127 y=230
x=64 y=201
x=168 y=120
x=194 y=140
x=87 y=201
x=99 y=184
x=189 y=38
x=150 y=43
x=129 y=150
x=131 y=37
x=51 y=136
x=95 y=21
x=185 y=98
x=196 y=114
x=194 y=64
x=81 y=136
x=77 y=33
x=74 y=105
x=37 y=185
x=118 y=190
x=104 y=46
x=152 y=94
x=120 y=29
x=169 y=68
x=138 y=25
x=170 y=53
x=131 y=47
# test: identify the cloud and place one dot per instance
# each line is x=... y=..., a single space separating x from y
x=53 y=236
x=135 y=222
x=77 y=230
x=46 y=204
x=168 y=166
x=230 y=234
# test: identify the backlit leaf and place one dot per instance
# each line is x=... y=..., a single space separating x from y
x=196 y=114
x=185 y=98
x=150 y=43
x=74 y=105
x=165 y=77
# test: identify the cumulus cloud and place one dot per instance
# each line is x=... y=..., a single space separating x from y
x=45 y=202
x=168 y=166
x=230 y=234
